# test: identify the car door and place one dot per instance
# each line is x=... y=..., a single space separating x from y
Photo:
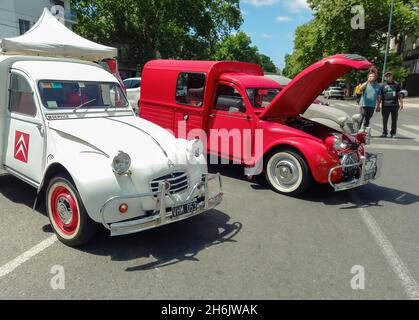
x=231 y=124
x=190 y=93
x=26 y=133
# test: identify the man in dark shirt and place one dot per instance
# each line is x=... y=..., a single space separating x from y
x=392 y=102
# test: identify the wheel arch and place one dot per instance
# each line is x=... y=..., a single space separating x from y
x=314 y=154
x=53 y=170
x=283 y=147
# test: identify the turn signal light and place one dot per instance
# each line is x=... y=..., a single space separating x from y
x=123 y=208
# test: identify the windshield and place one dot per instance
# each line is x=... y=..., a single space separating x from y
x=59 y=94
x=261 y=98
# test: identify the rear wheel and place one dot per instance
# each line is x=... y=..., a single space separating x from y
x=67 y=214
x=288 y=173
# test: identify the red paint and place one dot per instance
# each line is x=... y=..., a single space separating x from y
x=21 y=151
x=158 y=104
x=300 y=93
x=123 y=208
x=63 y=193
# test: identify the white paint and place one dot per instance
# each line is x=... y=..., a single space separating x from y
x=411 y=127
x=409 y=284
x=393 y=147
x=24 y=257
x=403 y=133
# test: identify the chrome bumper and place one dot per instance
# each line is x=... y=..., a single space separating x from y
x=163 y=214
x=370 y=169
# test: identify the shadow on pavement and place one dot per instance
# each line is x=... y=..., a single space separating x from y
x=237 y=171
x=18 y=191
x=168 y=245
x=369 y=195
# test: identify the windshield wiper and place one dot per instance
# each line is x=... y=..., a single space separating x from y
x=84 y=104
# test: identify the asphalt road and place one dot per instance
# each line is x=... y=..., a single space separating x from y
x=256 y=245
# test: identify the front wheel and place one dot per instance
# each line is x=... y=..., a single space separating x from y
x=67 y=214
x=288 y=173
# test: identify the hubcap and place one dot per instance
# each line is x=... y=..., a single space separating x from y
x=285 y=172
x=64 y=209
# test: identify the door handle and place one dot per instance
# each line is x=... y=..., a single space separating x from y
x=186 y=117
x=41 y=129
x=212 y=115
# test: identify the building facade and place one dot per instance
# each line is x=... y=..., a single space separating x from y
x=409 y=48
x=18 y=16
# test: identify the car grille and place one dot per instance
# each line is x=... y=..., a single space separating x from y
x=349 y=159
x=178 y=182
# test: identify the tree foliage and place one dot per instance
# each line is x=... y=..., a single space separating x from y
x=330 y=31
x=145 y=29
x=178 y=29
x=238 y=47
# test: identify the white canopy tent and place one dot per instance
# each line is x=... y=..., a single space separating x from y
x=49 y=37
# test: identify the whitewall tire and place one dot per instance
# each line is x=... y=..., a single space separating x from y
x=67 y=214
x=287 y=172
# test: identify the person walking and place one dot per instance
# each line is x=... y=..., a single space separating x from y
x=370 y=99
x=357 y=93
x=392 y=102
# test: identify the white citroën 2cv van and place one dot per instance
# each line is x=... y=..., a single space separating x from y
x=67 y=129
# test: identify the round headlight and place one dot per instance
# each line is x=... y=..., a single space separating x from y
x=196 y=148
x=338 y=143
x=121 y=163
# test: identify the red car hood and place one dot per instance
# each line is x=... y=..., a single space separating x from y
x=300 y=93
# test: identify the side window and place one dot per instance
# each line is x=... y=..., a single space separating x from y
x=21 y=96
x=190 y=89
x=135 y=84
x=228 y=99
x=127 y=84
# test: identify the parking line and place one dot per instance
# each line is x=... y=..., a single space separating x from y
x=15 y=263
x=409 y=284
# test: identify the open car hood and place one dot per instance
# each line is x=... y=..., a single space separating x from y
x=300 y=93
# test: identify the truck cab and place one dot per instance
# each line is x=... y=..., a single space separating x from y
x=253 y=120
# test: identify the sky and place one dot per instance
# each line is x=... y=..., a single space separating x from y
x=271 y=24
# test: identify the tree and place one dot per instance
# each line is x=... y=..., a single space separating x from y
x=267 y=64
x=145 y=29
x=330 y=31
x=238 y=47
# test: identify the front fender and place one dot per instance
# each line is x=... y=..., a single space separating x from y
x=95 y=180
x=318 y=158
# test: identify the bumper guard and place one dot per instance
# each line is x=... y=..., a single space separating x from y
x=161 y=215
x=370 y=169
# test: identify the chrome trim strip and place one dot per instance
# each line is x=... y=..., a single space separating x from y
x=22 y=177
x=146 y=133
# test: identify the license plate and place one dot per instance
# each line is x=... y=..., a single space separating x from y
x=184 y=209
x=371 y=163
